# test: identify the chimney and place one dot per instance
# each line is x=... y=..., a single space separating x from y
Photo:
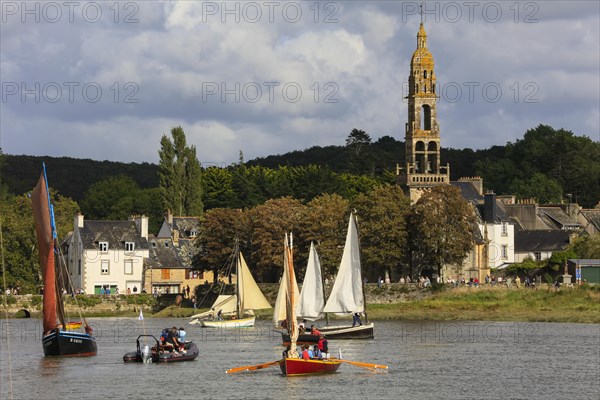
x=78 y=221
x=489 y=207
x=169 y=217
x=141 y=222
x=175 y=237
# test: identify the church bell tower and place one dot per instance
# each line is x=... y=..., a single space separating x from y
x=422 y=169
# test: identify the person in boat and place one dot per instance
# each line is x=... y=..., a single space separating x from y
x=323 y=345
x=302 y=327
x=317 y=353
x=311 y=352
x=305 y=355
x=356 y=319
x=88 y=329
x=172 y=338
x=182 y=334
x=220 y=315
x=314 y=330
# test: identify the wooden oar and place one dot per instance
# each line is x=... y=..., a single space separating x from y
x=251 y=367
x=362 y=364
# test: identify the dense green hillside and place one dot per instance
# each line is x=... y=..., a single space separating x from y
x=547 y=164
x=71 y=176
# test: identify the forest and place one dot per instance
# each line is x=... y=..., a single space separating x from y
x=265 y=197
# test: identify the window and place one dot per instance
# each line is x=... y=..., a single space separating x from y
x=105 y=267
x=504 y=252
x=425 y=74
x=505 y=229
x=79 y=267
x=129 y=247
x=196 y=275
x=165 y=273
x=193 y=233
x=537 y=256
x=103 y=246
x=128 y=267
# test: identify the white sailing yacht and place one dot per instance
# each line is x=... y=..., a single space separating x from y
x=347 y=296
x=236 y=310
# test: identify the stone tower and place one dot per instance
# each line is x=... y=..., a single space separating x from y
x=422 y=169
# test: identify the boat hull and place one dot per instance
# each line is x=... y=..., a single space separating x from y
x=69 y=344
x=230 y=323
x=349 y=332
x=334 y=332
x=164 y=356
x=298 y=367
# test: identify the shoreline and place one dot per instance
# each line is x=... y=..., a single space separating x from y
x=567 y=305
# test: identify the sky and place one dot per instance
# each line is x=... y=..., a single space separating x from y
x=106 y=80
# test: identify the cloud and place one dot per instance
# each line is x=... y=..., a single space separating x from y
x=282 y=81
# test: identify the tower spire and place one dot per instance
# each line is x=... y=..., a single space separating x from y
x=422 y=169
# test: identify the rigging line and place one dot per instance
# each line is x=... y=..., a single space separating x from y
x=64 y=264
x=9 y=361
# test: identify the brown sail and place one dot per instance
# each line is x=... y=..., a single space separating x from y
x=45 y=240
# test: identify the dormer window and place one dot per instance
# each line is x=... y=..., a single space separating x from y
x=129 y=247
x=193 y=233
x=103 y=246
x=504 y=228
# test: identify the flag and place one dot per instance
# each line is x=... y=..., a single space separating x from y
x=141 y=317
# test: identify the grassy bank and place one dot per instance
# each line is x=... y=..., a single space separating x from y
x=497 y=304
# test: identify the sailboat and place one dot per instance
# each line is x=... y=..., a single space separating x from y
x=58 y=338
x=285 y=306
x=346 y=297
x=236 y=310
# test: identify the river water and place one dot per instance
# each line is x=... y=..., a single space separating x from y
x=427 y=360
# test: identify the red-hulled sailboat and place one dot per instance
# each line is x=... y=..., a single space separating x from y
x=285 y=306
x=58 y=339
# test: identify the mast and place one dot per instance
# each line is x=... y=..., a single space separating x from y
x=362 y=281
x=237 y=279
x=324 y=295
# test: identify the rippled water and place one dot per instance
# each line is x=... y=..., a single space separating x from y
x=427 y=360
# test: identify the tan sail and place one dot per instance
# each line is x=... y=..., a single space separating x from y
x=251 y=297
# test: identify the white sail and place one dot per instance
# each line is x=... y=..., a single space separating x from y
x=347 y=294
x=251 y=297
x=311 y=303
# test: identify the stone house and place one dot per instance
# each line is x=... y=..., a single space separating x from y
x=169 y=269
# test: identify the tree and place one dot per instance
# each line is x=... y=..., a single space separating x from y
x=219 y=229
x=358 y=142
x=179 y=175
x=270 y=221
x=325 y=222
x=441 y=228
x=20 y=245
x=382 y=217
x=545 y=190
x=218 y=188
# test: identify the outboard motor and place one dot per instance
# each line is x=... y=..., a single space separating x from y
x=146 y=356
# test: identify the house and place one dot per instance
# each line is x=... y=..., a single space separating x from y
x=590 y=220
x=493 y=237
x=169 y=269
x=108 y=254
x=539 y=244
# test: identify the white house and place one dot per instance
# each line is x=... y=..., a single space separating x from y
x=108 y=254
x=498 y=231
